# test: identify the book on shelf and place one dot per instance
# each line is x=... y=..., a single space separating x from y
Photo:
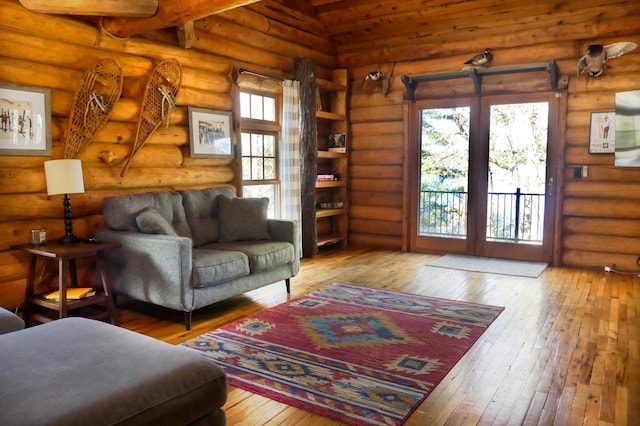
x=328 y=178
x=338 y=142
x=73 y=293
x=330 y=205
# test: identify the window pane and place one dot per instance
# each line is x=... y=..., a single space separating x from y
x=256 y=107
x=245 y=106
x=245 y=141
x=443 y=172
x=269 y=145
x=256 y=145
x=517 y=172
x=269 y=109
x=270 y=191
x=256 y=169
x=269 y=168
x=246 y=168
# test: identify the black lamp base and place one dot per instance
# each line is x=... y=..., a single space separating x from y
x=68 y=238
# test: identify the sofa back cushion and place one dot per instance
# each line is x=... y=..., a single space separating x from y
x=243 y=219
x=120 y=212
x=201 y=211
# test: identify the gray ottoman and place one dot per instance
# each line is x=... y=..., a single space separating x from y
x=76 y=371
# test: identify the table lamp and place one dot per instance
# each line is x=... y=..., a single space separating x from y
x=65 y=177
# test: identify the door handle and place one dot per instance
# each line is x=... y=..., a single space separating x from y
x=550 y=187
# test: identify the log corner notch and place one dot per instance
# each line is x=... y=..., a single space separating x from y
x=128 y=8
x=170 y=13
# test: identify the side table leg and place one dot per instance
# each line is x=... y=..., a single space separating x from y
x=104 y=278
x=63 y=269
x=28 y=293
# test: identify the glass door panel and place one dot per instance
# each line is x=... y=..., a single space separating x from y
x=444 y=166
x=517 y=172
x=483 y=184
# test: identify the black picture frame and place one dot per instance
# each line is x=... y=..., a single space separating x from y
x=210 y=133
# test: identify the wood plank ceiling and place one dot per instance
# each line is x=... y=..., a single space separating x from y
x=366 y=31
x=375 y=31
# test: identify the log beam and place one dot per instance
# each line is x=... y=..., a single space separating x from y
x=129 y=8
x=170 y=13
x=186 y=34
x=305 y=73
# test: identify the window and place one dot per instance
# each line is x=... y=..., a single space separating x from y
x=260 y=126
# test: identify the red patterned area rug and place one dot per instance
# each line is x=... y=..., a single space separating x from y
x=354 y=354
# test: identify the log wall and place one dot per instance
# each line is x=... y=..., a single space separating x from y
x=600 y=214
x=54 y=51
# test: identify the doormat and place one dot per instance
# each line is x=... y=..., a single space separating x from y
x=489 y=265
x=354 y=354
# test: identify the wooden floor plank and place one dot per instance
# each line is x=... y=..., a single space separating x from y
x=566 y=350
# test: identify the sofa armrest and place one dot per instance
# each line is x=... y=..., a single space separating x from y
x=150 y=267
x=9 y=321
x=289 y=231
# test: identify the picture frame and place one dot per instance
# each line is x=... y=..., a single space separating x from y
x=25 y=120
x=337 y=142
x=602 y=139
x=210 y=133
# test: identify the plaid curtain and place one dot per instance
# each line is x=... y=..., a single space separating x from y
x=290 y=164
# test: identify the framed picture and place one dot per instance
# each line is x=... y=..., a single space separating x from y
x=210 y=133
x=602 y=139
x=337 y=142
x=25 y=120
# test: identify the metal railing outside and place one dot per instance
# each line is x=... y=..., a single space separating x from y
x=511 y=217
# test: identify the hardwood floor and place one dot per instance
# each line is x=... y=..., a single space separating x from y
x=566 y=350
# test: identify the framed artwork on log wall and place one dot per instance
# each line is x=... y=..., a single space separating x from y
x=210 y=133
x=602 y=135
x=25 y=120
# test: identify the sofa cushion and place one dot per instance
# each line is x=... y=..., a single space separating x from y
x=211 y=267
x=242 y=219
x=151 y=222
x=262 y=255
x=201 y=211
x=120 y=212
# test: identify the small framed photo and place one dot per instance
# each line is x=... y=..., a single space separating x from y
x=25 y=120
x=210 y=133
x=602 y=135
x=337 y=142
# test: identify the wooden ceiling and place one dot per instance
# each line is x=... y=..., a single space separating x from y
x=369 y=31
x=373 y=31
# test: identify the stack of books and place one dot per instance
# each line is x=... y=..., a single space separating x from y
x=73 y=293
x=327 y=178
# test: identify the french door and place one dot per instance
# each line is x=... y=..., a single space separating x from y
x=483 y=181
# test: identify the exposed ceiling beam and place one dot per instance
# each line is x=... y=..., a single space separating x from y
x=170 y=13
x=186 y=34
x=131 y=8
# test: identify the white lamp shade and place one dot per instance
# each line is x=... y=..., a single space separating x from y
x=64 y=176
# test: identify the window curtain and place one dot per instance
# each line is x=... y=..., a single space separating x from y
x=290 y=168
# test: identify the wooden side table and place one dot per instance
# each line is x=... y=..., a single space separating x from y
x=101 y=305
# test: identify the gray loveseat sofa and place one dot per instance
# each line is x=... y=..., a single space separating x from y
x=185 y=250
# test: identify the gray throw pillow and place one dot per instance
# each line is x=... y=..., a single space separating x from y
x=151 y=222
x=242 y=219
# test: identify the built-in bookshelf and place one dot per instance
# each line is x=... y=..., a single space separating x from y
x=332 y=180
